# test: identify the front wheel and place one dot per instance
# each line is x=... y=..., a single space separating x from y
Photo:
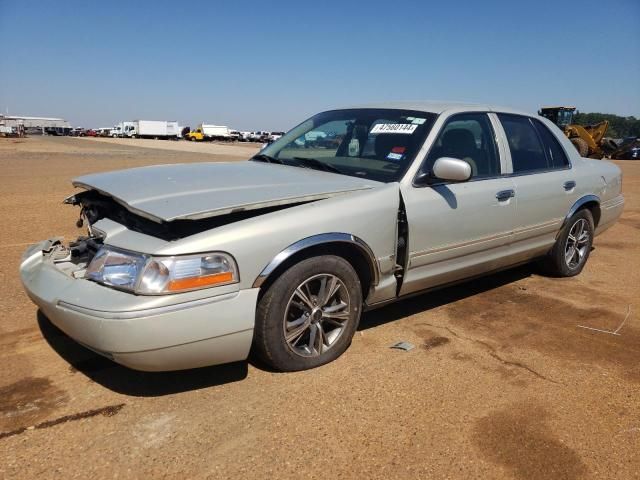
x=573 y=246
x=308 y=316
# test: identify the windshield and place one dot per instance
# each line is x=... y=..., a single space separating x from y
x=565 y=117
x=378 y=144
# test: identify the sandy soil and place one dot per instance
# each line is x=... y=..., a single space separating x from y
x=222 y=148
x=503 y=383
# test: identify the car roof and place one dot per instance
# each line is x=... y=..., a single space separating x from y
x=442 y=106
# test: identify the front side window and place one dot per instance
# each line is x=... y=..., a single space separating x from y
x=527 y=153
x=468 y=137
x=378 y=144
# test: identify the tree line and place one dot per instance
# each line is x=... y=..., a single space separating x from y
x=619 y=127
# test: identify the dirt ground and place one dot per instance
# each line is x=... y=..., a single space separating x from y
x=503 y=383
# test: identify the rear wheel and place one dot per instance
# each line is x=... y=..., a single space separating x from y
x=573 y=246
x=581 y=145
x=308 y=316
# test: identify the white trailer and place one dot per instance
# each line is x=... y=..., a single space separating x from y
x=154 y=129
x=215 y=132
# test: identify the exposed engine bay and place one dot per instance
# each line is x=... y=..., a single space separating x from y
x=96 y=206
x=73 y=258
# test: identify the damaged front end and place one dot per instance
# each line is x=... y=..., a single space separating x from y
x=95 y=206
x=71 y=259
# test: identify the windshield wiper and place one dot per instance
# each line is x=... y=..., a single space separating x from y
x=261 y=157
x=317 y=165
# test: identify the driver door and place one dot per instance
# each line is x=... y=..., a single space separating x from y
x=460 y=229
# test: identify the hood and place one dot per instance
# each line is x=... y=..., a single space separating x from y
x=194 y=191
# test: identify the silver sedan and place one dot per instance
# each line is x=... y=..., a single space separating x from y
x=190 y=265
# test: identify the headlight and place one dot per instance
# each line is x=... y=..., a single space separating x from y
x=116 y=268
x=149 y=275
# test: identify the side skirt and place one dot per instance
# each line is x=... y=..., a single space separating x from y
x=368 y=307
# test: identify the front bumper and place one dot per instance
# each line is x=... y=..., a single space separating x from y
x=143 y=333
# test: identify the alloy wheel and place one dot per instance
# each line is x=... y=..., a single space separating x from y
x=577 y=244
x=316 y=315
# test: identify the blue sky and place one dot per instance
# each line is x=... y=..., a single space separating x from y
x=268 y=65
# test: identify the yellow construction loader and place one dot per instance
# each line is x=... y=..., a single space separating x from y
x=589 y=140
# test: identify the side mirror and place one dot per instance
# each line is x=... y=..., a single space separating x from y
x=452 y=169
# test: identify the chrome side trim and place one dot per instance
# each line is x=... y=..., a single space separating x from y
x=453 y=246
x=319 y=240
x=576 y=206
x=146 y=312
x=532 y=228
x=477 y=241
x=613 y=202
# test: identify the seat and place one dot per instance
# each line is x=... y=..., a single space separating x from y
x=461 y=144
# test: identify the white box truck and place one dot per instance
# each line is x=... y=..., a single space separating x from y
x=216 y=132
x=209 y=132
x=122 y=129
x=154 y=129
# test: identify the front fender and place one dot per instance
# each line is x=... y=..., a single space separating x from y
x=321 y=239
x=370 y=216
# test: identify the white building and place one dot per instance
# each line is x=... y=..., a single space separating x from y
x=45 y=125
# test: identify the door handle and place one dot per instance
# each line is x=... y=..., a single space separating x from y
x=570 y=185
x=505 y=194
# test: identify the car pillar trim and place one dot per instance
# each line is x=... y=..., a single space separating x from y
x=321 y=239
x=576 y=206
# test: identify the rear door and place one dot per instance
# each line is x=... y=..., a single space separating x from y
x=457 y=230
x=545 y=188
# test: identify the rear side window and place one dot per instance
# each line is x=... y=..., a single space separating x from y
x=552 y=147
x=527 y=152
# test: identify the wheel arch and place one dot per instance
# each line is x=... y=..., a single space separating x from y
x=591 y=203
x=345 y=245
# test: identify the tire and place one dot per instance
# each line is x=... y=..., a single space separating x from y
x=557 y=263
x=581 y=145
x=319 y=332
x=609 y=145
x=193 y=139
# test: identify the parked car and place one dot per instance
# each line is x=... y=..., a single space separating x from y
x=196 y=264
x=275 y=136
x=629 y=149
x=77 y=132
x=103 y=132
x=259 y=136
x=91 y=133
